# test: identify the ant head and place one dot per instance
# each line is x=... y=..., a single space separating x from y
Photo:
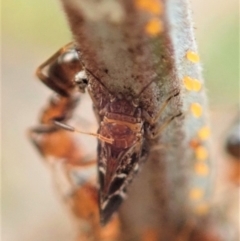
x=70 y=57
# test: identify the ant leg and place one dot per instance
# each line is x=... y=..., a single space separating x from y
x=61 y=70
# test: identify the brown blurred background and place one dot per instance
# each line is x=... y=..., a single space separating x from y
x=31 y=32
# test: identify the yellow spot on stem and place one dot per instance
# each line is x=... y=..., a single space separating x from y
x=201 y=169
x=197 y=85
x=154 y=26
x=192 y=56
x=188 y=82
x=196 y=110
x=204 y=133
x=192 y=84
x=152 y=6
x=202 y=209
x=201 y=153
x=196 y=194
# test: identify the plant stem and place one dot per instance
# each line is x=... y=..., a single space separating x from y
x=137 y=43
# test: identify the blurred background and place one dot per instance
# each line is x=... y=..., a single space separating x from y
x=31 y=32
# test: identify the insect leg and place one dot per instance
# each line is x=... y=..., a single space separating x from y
x=152 y=120
x=59 y=72
x=153 y=130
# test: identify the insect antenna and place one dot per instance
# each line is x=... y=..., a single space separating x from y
x=98 y=79
x=144 y=88
x=72 y=129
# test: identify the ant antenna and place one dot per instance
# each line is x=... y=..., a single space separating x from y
x=72 y=129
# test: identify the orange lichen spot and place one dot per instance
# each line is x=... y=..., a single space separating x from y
x=204 y=133
x=202 y=209
x=201 y=153
x=196 y=194
x=154 y=27
x=192 y=56
x=196 y=110
x=152 y=6
x=201 y=169
x=192 y=84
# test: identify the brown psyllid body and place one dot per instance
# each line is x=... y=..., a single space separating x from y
x=119 y=160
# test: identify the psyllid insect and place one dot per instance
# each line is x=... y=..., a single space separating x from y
x=125 y=126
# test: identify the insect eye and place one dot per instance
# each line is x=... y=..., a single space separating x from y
x=81 y=80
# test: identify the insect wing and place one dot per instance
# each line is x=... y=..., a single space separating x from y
x=116 y=170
